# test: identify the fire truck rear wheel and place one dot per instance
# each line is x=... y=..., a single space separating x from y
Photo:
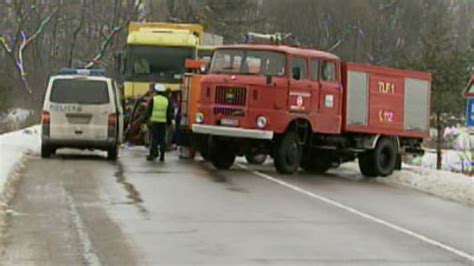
x=385 y=157
x=288 y=154
x=366 y=164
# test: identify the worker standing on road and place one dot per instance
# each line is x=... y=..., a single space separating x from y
x=159 y=114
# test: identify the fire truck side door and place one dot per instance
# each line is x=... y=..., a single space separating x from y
x=299 y=100
x=330 y=88
x=330 y=96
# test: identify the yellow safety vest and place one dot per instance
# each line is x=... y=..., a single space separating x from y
x=160 y=107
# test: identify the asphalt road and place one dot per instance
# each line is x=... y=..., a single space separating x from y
x=84 y=210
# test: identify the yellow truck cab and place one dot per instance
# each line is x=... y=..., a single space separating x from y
x=156 y=53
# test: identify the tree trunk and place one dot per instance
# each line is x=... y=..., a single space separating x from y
x=439 y=141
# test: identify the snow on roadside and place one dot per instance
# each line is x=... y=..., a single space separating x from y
x=14 y=118
x=13 y=148
x=447 y=185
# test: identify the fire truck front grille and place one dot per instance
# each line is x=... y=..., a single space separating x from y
x=229 y=111
x=235 y=96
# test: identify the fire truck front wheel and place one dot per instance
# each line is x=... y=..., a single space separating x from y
x=221 y=155
x=287 y=155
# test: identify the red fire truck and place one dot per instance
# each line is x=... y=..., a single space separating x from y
x=307 y=109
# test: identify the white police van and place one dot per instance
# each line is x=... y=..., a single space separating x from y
x=82 y=109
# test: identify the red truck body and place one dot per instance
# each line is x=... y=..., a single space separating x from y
x=394 y=101
x=257 y=96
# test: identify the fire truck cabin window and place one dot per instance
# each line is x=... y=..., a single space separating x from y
x=248 y=62
x=328 y=71
x=299 y=68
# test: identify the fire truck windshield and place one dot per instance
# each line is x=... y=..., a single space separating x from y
x=248 y=62
x=156 y=63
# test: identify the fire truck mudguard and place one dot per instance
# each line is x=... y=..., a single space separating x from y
x=233 y=132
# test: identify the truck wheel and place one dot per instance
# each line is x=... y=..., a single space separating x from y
x=203 y=146
x=288 y=154
x=366 y=164
x=385 y=157
x=112 y=153
x=46 y=151
x=318 y=165
x=220 y=155
x=256 y=159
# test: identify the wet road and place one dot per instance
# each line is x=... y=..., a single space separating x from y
x=84 y=210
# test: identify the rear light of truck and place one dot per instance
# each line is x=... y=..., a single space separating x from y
x=112 y=125
x=45 y=122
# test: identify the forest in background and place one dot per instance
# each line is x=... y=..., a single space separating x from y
x=38 y=37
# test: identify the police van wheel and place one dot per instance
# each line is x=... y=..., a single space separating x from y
x=46 y=151
x=288 y=154
x=112 y=153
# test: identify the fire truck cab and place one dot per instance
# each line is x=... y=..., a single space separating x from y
x=307 y=109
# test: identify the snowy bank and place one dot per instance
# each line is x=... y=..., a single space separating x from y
x=13 y=148
x=14 y=119
x=453 y=186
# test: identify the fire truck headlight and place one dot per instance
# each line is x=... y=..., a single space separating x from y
x=261 y=122
x=199 y=118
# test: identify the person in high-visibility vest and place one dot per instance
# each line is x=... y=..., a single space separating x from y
x=159 y=114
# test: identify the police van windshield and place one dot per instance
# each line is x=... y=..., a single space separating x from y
x=248 y=62
x=79 y=91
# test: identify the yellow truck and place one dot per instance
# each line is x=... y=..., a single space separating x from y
x=156 y=53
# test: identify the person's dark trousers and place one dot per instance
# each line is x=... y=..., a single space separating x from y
x=158 y=138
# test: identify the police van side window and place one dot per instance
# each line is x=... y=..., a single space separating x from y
x=328 y=71
x=79 y=91
x=299 y=68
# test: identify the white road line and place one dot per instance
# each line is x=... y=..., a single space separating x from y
x=363 y=214
x=90 y=257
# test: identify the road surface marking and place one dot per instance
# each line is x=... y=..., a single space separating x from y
x=362 y=214
x=86 y=244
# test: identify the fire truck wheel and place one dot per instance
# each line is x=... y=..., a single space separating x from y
x=288 y=154
x=256 y=159
x=220 y=155
x=318 y=165
x=385 y=157
x=366 y=164
x=224 y=160
x=204 y=154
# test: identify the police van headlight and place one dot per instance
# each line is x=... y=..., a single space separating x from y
x=199 y=118
x=261 y=122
